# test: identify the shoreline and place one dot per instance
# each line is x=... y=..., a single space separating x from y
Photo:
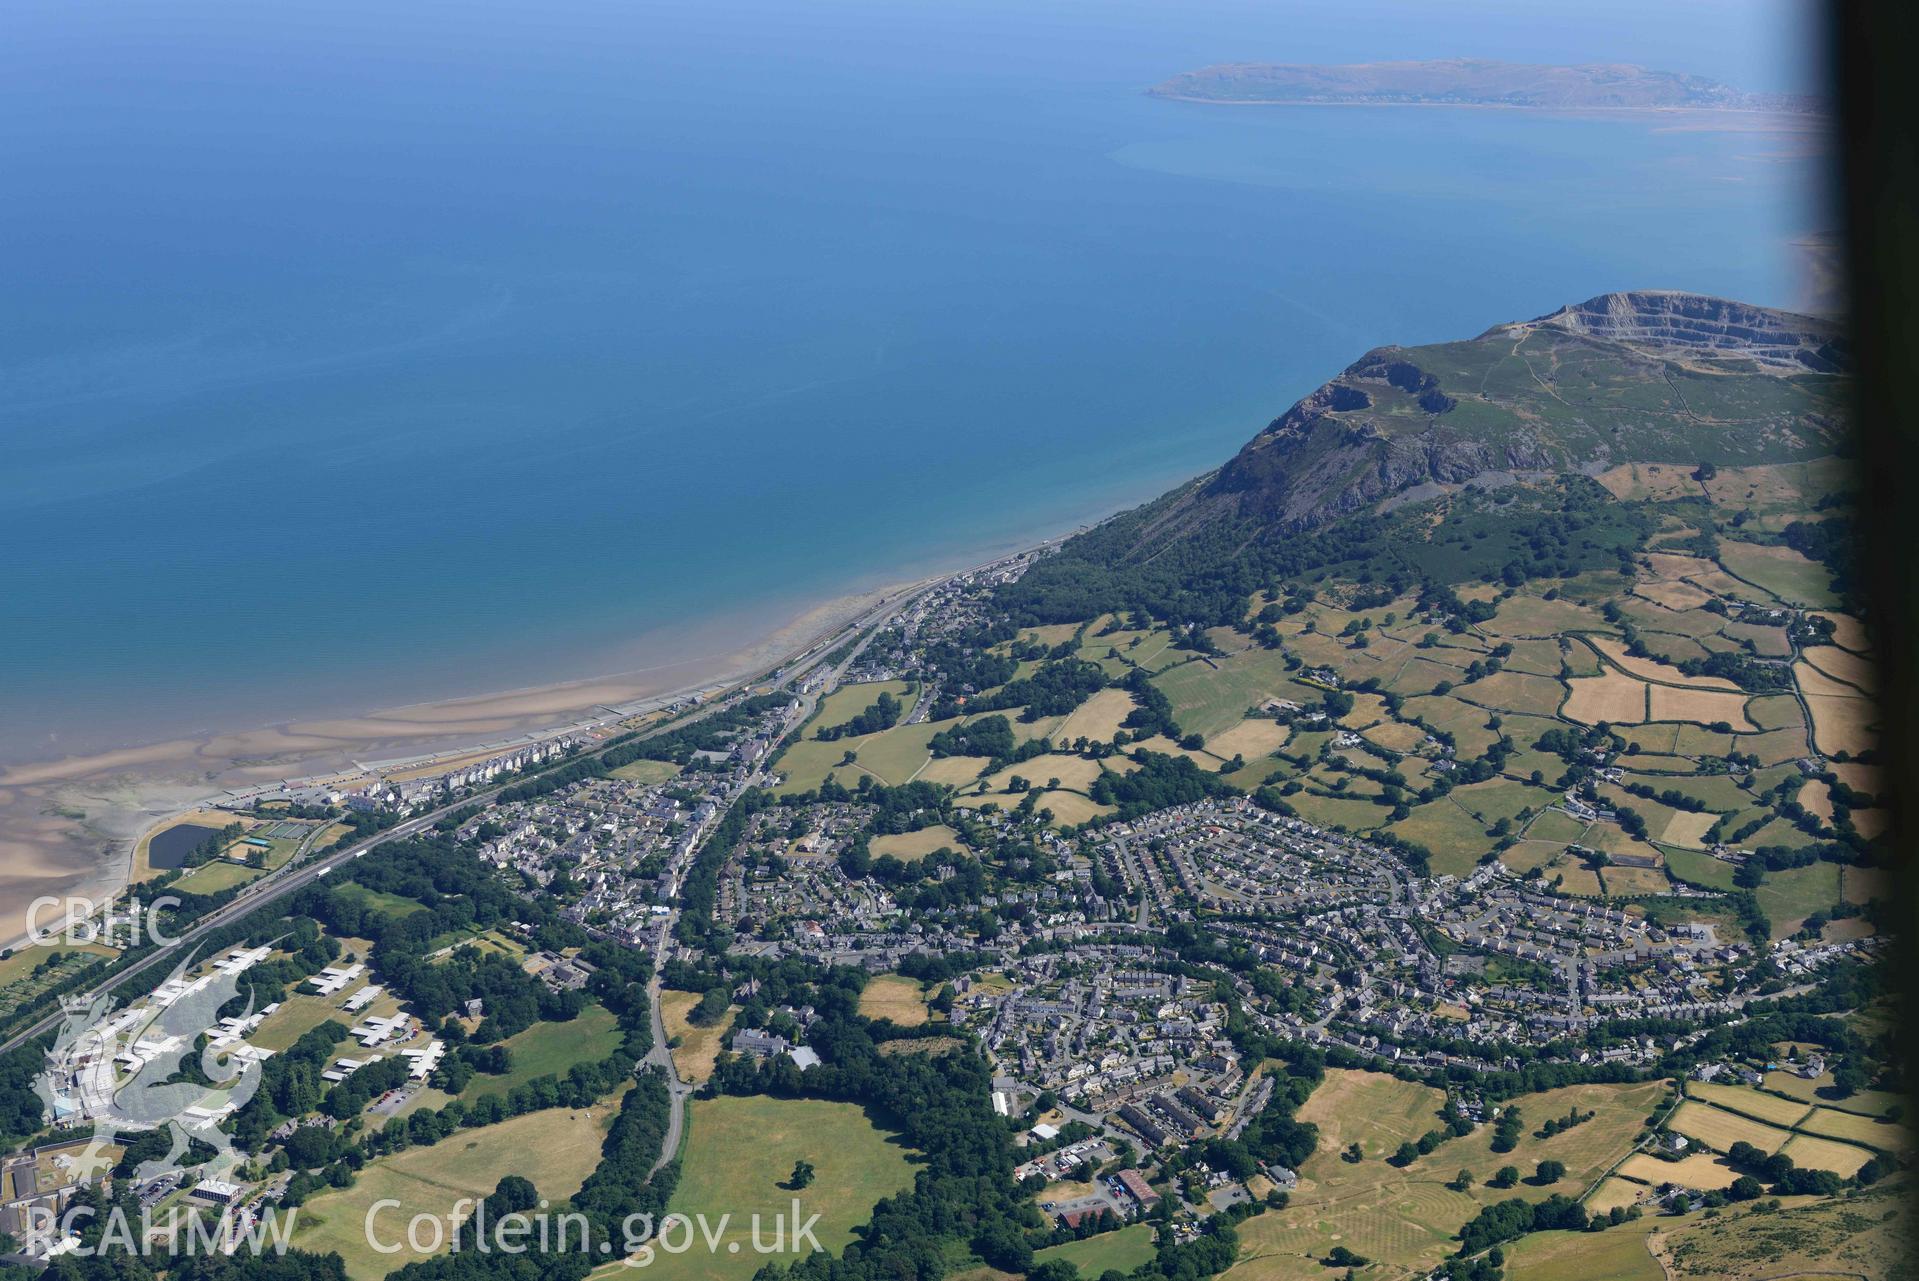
x=72 y=826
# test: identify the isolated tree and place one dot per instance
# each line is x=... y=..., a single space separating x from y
x=802 y=1175
x=712 y=1005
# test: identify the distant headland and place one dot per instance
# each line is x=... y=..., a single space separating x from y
x=1474 y=82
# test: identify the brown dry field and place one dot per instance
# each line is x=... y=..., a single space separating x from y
x=920 y=1045
x=1700 y=1171
x=1842 y=724
x=907 y=846
x=1843 y=1159
x=1396 y=736
x=1627 y=882
x=1575 y=878
x=1613 y=1192
x=1777 y=746
x=1701 y=706
x=1719 y=1130
x=1672 y=566
x=1049 y=634
x=895 y=997
x=1688 y=829
x=1843 y=665
x=956 y=771
x=1757 y=1103
x=1860 y=777
x=1167 y=747
x=1848 y=632
x=1833 y=1124
x=699 y=1046
x=1613 y=697
x=1074 y=772
x=1771 y=484
x=1816 y=796
x=1652 y=669
x=1720 y=583
x=1097 y=718
x=1069 y=808
x=1656 y=482
x=1673 y=595
x=1535 y=616
x=1870 y=823
x=1368 y=709
x=1813 y=681
x=1251 y=738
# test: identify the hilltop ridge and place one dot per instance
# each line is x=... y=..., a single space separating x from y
x=1476 y=82
x=1642 y=376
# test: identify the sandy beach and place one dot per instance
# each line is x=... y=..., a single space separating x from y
x=69 y=826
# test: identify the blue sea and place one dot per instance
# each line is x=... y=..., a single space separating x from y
x=356 y=353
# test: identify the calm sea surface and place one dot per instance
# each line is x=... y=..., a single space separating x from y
x=355 y=353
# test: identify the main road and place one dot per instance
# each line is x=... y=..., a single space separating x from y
x=661 y=1055
x=278 y=884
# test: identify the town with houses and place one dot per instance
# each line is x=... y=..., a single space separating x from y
x=1063 y=951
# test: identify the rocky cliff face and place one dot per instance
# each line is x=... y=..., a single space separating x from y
x=1693 y=322
x=1643 y=376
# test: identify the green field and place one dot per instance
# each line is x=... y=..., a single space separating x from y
x=891 y=756
x=20 y=962
x=1698 y=869
x=379 y=900
x=1781 y=571
x=647 y=772
x=299 y=1014
x=1120 y=1251
x=1555 y=825
x=848 y=701
x=211 y=878
x=1515 y=692
x=1344 y=813
x=1617 y=1254
x=1455 y=837
x=1788 y=897
x=550 y=1049
x=555 y=1150
x=1211 y=698
x=738 y=1152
